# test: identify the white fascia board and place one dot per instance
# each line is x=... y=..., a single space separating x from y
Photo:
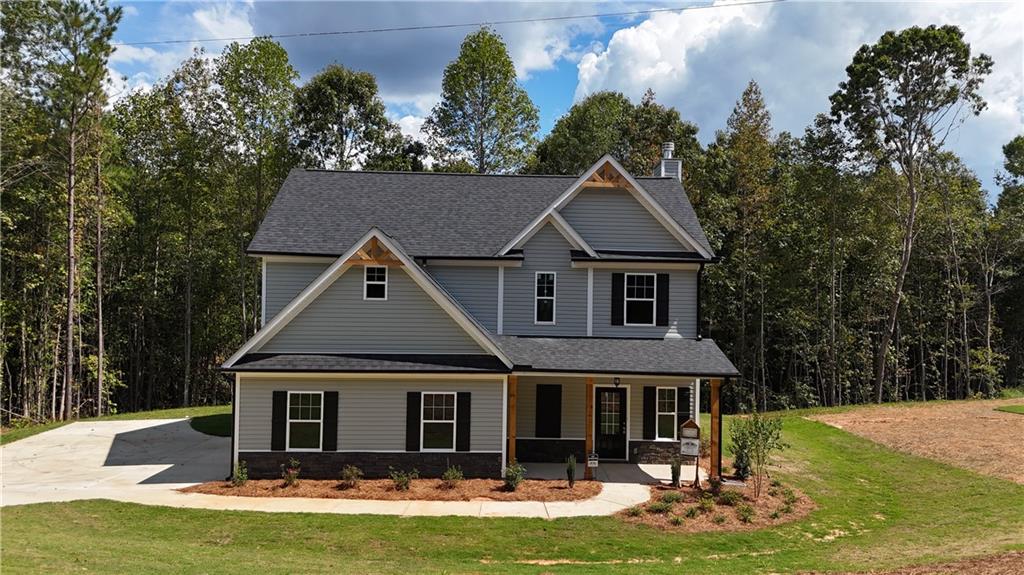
x=563 y=227
x=635 y=265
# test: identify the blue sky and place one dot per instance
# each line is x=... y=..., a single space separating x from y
x=696 y=60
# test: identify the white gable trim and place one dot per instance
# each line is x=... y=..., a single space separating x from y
x=637 y=191
x=339 y=267
x=563 y=227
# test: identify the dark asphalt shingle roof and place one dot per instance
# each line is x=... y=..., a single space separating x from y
x=318 y=212
x=617 y=355
x=392 y=363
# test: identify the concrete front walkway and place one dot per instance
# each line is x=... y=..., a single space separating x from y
x=147 y=461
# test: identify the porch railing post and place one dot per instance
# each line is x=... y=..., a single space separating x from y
x=513 y=394
x=589 y=442
x=716 y=429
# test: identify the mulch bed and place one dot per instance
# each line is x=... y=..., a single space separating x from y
x=777 y=504
x=421 y=489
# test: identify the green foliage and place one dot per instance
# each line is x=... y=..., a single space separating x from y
x=241 y=474
x=290 y=472
x=755 y=440
x=706 y=503
x=718 y=519
x=570 y=470
x=635 y=511
x=730 y=498
x=692 y=512
x=676 y=520
x=402 y=480
x=451 y=477
x=484 y=116
x=659 y=507
x=745 y=512
x=671 y=497
x=350 y=476
x=514 y=475
x=676 y=467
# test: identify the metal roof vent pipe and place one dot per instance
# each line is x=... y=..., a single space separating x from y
x=669 y=167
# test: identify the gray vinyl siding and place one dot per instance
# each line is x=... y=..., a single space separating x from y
x=475 y=288
x=546 y=251
x=285 y=280
x=682 y=306
x=371 y=413
x=341 y=321
x=612 y=219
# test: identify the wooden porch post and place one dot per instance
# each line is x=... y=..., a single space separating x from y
x=716 y=429
x=513 y=393
x=588 y=473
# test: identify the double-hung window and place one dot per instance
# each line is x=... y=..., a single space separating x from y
x=438 y=421
x=666 y=413
x=305 y=420
x=375 y=284
x=640 y=298
x=544 y=298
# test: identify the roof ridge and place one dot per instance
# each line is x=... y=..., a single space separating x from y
x=468 y=174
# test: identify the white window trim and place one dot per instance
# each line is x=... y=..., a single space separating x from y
x=554 y=299
x=366 y=282
x=626 y=299
x=658 y=413
x=454 y=421
x=289 y=420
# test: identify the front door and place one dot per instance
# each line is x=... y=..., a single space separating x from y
x=610 y=423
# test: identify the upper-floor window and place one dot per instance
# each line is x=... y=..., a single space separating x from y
x=375 y=284
x=666 y=413
x=640 y=298
x=305 y=419
x=544 y=301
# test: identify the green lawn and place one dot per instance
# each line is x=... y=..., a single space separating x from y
x=208 y=419
x=877 y=509
x=1012 y=409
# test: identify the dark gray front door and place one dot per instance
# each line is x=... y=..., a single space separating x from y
x=610 y=423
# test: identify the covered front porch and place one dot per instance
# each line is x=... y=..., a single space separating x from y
x=608 y=472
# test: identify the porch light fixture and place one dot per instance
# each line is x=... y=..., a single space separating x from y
x=616 y=381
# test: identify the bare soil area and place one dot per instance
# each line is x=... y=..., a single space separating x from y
x=420 y=489
x=1011 y=563
x=777 y=504
x=967 y=434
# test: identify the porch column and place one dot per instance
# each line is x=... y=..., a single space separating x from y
x=513 y=394
x=716 y=429
x=588 y=473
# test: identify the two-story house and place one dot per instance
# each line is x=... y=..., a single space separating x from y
x=428 y=319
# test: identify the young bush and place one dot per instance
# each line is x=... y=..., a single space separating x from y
x=635 y=511
x=659 y=507
x=775 y=514
x=451 y=477
x=241 y=474
x=730 y=498
x=715 y=485
x=290 y=472
x=514 y=475
x=706 y=503
x=671 y=497
x=745 y=512
x=677 y=470
x=789 y=496
x=570 y=470
x=718 y=519
x=676 y=520
x=705 y=446
x=755 y=439
x=692 y=512
x=402 y=479
x=350 y=476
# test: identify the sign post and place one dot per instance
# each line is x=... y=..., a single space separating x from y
x=689 y=446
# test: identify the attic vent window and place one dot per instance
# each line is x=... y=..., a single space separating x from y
x=375 y=285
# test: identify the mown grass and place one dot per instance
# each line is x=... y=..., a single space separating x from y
x=209 y=419
x=1012 y=409
x=878 y=509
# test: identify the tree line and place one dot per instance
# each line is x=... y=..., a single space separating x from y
x=861 y=260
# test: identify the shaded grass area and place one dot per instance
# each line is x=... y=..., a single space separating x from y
x=209 y=419
x=1012 y=409
x=877 y=509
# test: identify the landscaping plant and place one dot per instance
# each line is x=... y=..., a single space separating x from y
x=677 y=470
x=570 y=470
x=671 y=497
x=730 y=498
x=659 y=507
x=402 y=479
x=350 y=476
x=451 y=477
x=241 y=474
x=290 y=472
x=745 y=512
x=755 y=439
x=514 y=475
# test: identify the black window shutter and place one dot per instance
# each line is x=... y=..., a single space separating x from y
x=412 y=421
x=618 y=297
x=278 y=420
x=661 y=313
x=682 y=405
x=463 y=418
x=330 y=425
x=548 y=422
x=650 y=411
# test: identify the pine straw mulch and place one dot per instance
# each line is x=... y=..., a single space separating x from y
x=967 y=434
x=420 y=489
x=777 y=504
x=1011 y=563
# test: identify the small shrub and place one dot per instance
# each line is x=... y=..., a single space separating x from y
x=676 y=520
x=659 y=507
x=715 y=485
x=402 y=479
x=451 y=477
x=718 y=519
x=705 y=446
x=671 y=497
x=241 y=474
x=730 y=498
x=514 y=475
x=677 y=470
x=754 y=440
x=706 y=503
x=290 y=472
x=776 y=483
x=789 y=496
x=570 y=470
x=745 y=512
x=350 y=476
x=775 y=514
x=692 y=512
x=635 y=511
x=787 y=508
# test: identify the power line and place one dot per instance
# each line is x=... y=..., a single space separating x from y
x=446 y=26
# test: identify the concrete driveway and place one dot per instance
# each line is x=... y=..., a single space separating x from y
x=124 y=460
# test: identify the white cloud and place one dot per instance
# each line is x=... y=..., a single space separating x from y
x=412 y=126
x=128 y=10
x=224 y=20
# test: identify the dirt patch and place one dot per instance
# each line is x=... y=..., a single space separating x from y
x=967 y=434
x=420 y=489
x=1003 y=564
x=681 y=510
